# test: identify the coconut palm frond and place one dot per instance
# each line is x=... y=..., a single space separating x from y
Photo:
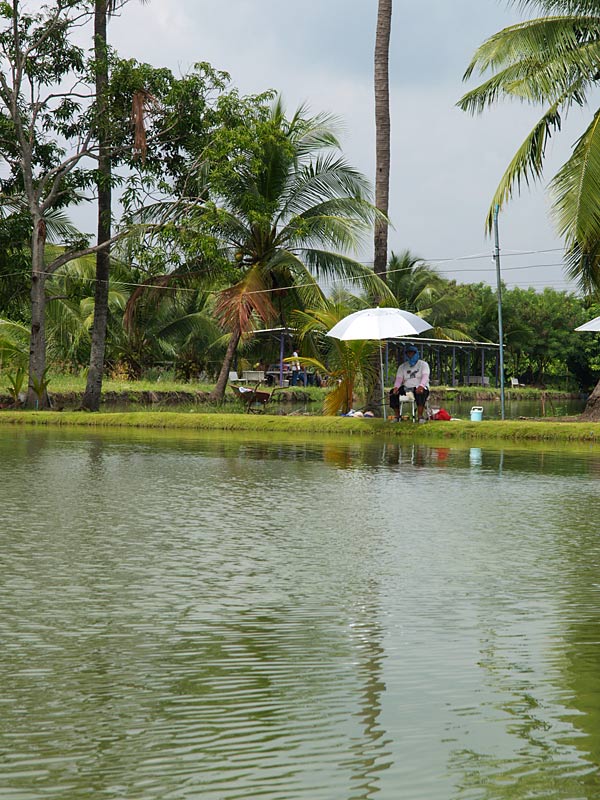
x=534 y=59
x=551 y=60
x=341 y=268
x=329 y=176
x=59 y=227
x=527 y=163
x=14 y=343
x=194 y=324
x=236 y=306
x=295 y=275
x=576 y=189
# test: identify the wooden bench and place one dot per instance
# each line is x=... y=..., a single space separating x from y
x=477 y=380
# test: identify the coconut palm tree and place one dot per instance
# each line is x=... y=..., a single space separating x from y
x=168 y=323
x=349 y=365
x=550 y=61
x=417 y=287
x=382 y=131
x=70 y=311
x=288 y=213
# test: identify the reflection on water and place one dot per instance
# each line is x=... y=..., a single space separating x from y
x=514 y=409
x=214 y=617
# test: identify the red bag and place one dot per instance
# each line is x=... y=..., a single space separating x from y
x=442 y=414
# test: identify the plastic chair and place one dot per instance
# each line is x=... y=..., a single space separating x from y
x=406 y=399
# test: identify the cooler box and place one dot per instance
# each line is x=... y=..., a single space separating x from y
x=476 y=413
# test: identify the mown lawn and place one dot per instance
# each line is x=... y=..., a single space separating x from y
x=508 y=430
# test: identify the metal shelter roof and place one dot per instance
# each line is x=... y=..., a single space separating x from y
x=446 y=343
x=468 y=345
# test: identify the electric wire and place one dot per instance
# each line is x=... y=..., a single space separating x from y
x=349 y=279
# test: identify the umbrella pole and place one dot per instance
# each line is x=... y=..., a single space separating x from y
x=382 y=384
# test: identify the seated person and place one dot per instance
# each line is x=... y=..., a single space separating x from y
x=412 y=375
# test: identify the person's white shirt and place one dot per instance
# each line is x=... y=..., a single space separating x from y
x=412 y=376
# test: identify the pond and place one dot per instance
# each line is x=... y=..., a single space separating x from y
x=515 y=409
x=215 y=617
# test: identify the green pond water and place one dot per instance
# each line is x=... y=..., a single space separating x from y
x=514 y=409
x=220 y=618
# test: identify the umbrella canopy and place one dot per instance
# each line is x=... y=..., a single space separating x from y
x=378 y=323
x=592 y=325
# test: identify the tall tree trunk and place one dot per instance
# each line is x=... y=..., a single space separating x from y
x=382 y=131
x=382 y=165
x=93 y=389
x=37 y=396
x=218 y=393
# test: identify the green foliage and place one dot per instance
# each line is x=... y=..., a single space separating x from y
x=417 y=287
x=16 y=380
x=40 y=385
x=349 y=365
x=550 y=61
x=14 y=343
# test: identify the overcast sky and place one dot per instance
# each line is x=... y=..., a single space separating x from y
x=445 y=164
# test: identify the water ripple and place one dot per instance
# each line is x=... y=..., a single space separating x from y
x=223 y=619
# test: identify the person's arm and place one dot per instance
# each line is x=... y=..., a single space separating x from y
x=424 y=382
x=399 y=377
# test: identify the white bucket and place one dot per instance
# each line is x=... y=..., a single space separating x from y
x=476 y=413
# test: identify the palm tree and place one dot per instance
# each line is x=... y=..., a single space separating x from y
x=350 y=365
x=417 y=287
x=70 y=311
x=288 y=214
x=168 y=323
x=413 y=282
x=102 y=10
x=551 y=61
x=382 y=131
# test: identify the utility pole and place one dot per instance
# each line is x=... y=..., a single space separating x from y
x=499 y=291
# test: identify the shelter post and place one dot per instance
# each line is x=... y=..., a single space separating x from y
x=499 y=290
x=281 y=355
x=454 y=366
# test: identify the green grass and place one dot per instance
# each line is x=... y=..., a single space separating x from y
x=64 y=384
x=513 y=431
x=75 y=384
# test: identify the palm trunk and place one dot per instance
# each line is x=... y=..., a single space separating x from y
x=382 y=160
x=93 y=390
x=218 y=393
x=37 y=396
x=382 y=131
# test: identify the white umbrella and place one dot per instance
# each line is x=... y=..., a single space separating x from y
x=379 y=323
x=592 y=325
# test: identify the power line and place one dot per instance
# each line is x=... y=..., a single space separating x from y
x=349 y=279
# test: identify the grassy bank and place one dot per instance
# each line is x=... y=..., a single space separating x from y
x=514 y=430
